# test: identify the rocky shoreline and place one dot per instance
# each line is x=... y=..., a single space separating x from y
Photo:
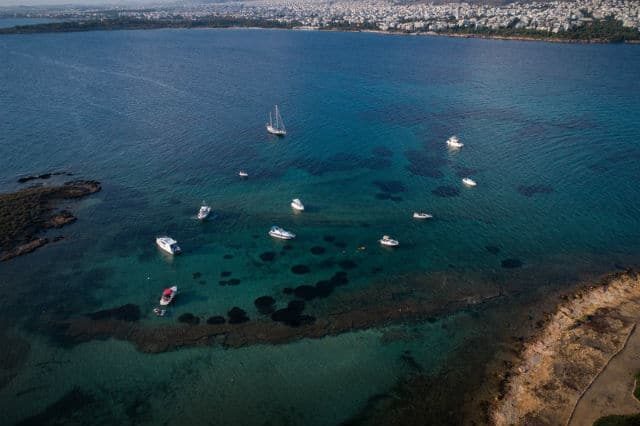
x=557 y=365
x=28 y=212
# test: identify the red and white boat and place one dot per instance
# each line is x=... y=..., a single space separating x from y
x=168 y=295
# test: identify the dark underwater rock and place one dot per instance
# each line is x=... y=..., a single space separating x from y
x=189 y=318
x=306 y=292
x=268 y=256
x=296 y=305
x=128 y=312
x=324 y=288
x=511 y=263
x=265 y=304
x=317 y=250
x=225 y=274
x=227 y=256
x=237 y=316
x=292 y=315
x=300 y=269
x=233 y=281
x=196 y=275
x=347 y=264
x=390 y=186
x=216 y=319
x=339 y=278
x=446 y=191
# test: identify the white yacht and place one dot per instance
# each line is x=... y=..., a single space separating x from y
x=277 y=232
x=243 y=174
x=204 y=212
x=453 y=142
x=168 y=244
x=469 y=182
x=276 y=128
x=168 y=295
x=296 y=204
x=419 y=215
x=388 y=241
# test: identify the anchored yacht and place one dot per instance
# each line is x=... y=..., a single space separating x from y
x=168 y=295
x=388 y=241
x=296 y=204
x=277 y=232
x=469 y=182
x=276 y=128
x=168 y=244
x=204 y=212
x=418 y=215
x=453 y=142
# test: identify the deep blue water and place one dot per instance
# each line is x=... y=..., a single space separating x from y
x=165 y=119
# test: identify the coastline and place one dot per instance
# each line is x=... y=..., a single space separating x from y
x=114 y=25
x=558 y=365
x=472 y=35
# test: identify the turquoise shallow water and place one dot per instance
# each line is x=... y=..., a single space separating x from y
x=165 y=119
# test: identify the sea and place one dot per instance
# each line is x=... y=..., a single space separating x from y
x=165 y=119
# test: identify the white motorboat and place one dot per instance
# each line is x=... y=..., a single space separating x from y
x=296 y=204
x=168 y=294
x=469 y=182
x=243 y=174
x=168 y=244
x=418 y=215
x=454 y=142
x=277 y=232
x=204 y=212
x=276 y=128
x=388 y=241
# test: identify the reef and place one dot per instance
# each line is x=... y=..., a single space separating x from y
x=575 y=344
x=237 y=316
x=265 y=304
x=317 y=250
x=374 y=306
x=216 y=319
x=446 y=191
x=189 y=318
x=531 y=190
x=300 y=269
x=30 y=211
x=390 y=186
x=347 y=264
x=128 y=312
x=268 y=256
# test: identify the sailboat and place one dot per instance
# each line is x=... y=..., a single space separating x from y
x=276 y=128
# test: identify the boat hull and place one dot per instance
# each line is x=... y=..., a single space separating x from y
x=281 y=236
x=274 y=131
x=165 y=302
